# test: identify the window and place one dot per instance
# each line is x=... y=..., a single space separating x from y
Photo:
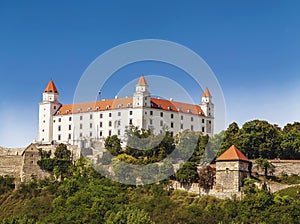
x=119 y=132
x=80 y=135
x=203 y=129
x=91 y=134
x=161 y=123
x=97 y=108
x=100 y=133
x=59 y=119
x=70 y=118
x=54 y=107
x=209 y=122
x=172 y=124
x=100 y=124
x=91 y=125
x=119 y=114
x=43 y=130
x=202 y=121
x=59 y=128
x=91 y=116
x=181 y=126
x=151 y=112
x=192 y=127
x=80 y=126
x=161 y=114
x=53 y=120
x=119 y=122
x=130 y=112
x=70 y=127
x=192 y=119
x=150 y=121
x=172 y=116
x=109 y=133
x=109 y=114
x=58 y=137
x=69 y=136
x=101 y=115
x=130 y=121
x=181 y=117
x=109 y=123
x=81 y=118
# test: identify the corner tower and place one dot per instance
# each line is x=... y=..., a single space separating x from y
x=141 y=97
x=48 y=108
x=232 y=167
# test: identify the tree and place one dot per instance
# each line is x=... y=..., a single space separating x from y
x=129 y=215
x=266 y=166
x=113 y=145
x=259 y=139
x=187 y=174
x=62 y=152
x=230 y=138
x=290 y=145
x=207 y=177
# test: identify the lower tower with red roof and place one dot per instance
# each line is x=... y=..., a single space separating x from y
x=232 y=167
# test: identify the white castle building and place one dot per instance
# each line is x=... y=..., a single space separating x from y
x=74 y=123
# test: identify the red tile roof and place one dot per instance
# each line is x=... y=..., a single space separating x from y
x=232 y=154
x=127 y=102
x=142 y=81
x=51 y=87
x=206 y=93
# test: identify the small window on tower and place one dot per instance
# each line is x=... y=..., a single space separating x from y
x=172 y=116
x=101 y=115
x=58 y=137
x=59 y=119
x=109 y=114
x=161 y=114
x=54 y=107
x=70 y=118
x=69 y=136
x=100 y=133
x=130 y=112
x=192 y=119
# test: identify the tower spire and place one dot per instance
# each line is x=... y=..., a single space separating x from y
x=50 y=87
x=142 y=81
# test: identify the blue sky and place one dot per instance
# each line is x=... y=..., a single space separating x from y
x=253 y=47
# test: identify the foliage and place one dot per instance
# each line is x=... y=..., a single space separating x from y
x=266 y=166
x=61 y=152
x=6 y=184
x=113 y=145
x=187 y=174
x=207 y=177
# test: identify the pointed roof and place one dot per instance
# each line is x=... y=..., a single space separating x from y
x=232 y=154
x=206 y=93
x=142 y=81
x=51 y=87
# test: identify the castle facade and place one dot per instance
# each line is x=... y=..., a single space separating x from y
x=74 y=123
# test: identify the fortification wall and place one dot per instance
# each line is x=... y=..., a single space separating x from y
x=11 y=165
x=281 y=166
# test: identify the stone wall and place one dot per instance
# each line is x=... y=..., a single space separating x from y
x=11 y=165
x=281 y=166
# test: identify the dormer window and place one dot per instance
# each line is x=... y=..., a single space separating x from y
x=179 y=109
x=58 y=112
x=79 y=110
x=159 y=105
x=68 y=111
x=97 y=108
x=188 y=110
x=169 y=108
x=107 y=107
x=89 y=109
x=120 y=105
x=128 y=104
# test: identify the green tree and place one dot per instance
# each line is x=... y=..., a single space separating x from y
x=290 y=145
x=187 y=174
x=231 y=137
x=129 y=215
x=62 y=152
x=259 y=139
x=113 y=145
x=266 y=166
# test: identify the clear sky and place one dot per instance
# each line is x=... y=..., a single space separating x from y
x=253 y=47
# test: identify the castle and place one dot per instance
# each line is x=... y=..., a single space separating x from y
x=74 y=123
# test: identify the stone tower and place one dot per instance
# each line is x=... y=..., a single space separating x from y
x=48 y=108
x=231 y=170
